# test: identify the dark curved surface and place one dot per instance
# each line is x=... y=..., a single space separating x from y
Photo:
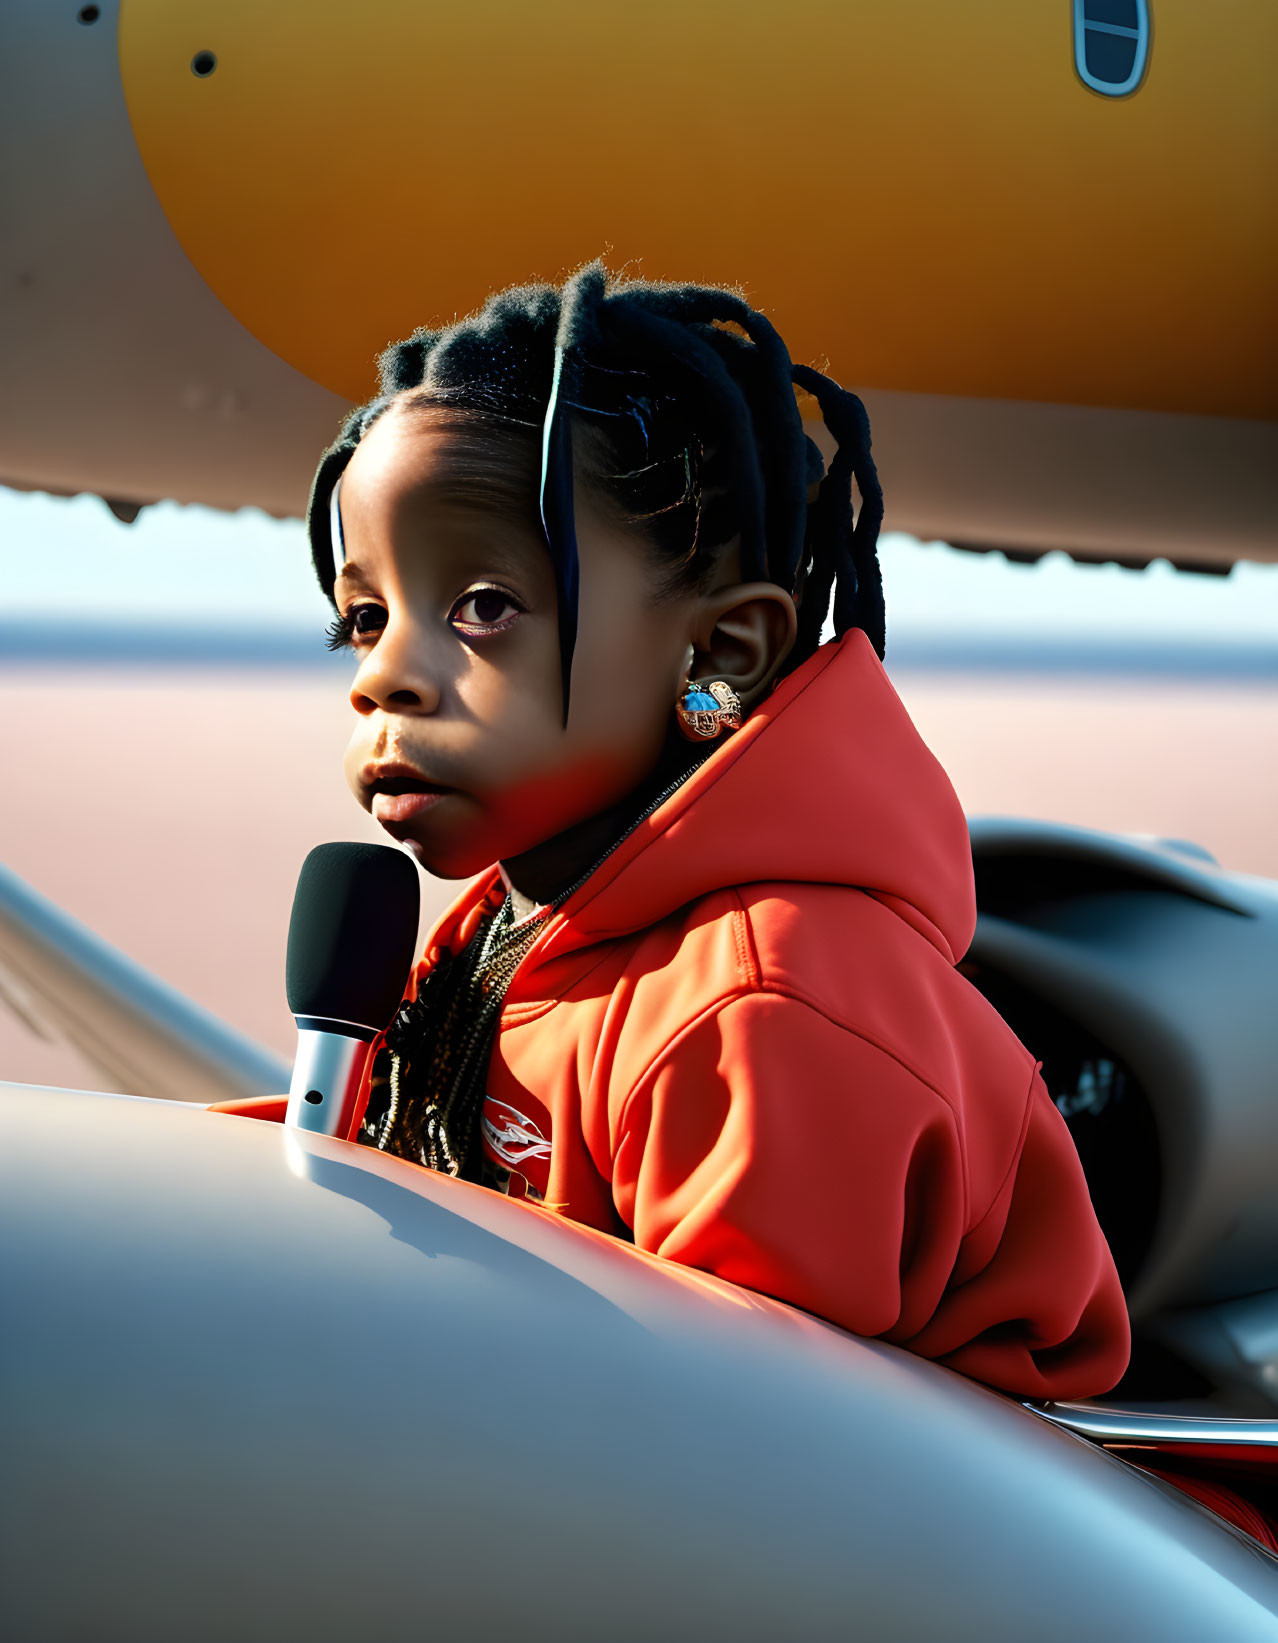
x=1160 y=964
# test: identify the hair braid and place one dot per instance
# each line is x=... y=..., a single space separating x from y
x=858 y=589
x=681 y=383
x=719 y=392
x=782 y=448
x=775 y=409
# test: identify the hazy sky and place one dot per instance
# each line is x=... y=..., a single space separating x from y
x=69 y=558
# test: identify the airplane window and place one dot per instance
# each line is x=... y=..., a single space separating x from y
x=1121 y=14
x=1110 y=57
x=1111 y=44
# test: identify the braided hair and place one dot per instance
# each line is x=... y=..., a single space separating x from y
x=681 y=400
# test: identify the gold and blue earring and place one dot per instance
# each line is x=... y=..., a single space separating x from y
x=704 y=711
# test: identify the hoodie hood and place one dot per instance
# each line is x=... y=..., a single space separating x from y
x=827 y=782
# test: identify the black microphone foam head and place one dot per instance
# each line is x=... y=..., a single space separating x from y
x=352 y=936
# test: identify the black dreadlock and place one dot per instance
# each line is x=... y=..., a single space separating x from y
x=685 y=395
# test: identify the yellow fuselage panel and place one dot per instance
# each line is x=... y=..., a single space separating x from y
x=924 y=194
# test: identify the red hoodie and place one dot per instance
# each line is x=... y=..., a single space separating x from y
x=744 y=1043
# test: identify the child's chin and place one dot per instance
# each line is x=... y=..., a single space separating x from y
x=446 y=864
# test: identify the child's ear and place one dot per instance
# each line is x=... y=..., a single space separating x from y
x=742 y=635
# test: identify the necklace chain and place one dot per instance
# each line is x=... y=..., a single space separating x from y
x=429 y=1105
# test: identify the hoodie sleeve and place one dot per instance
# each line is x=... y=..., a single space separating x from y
x=780 y=1150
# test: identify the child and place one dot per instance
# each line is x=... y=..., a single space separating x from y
x=707 y=998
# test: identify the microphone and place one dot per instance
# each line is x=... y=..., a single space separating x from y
x=351 y=942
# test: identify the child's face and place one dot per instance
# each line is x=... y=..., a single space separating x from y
x=459 y=748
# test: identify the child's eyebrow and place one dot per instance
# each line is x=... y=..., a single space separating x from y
x=353 y=575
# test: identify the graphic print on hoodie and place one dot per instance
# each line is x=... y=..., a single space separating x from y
x=517 y=1148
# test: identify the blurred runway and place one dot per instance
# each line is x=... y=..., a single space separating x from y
x=169 y=808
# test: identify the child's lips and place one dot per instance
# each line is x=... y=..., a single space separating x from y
x=398 y=794
x=398 y=809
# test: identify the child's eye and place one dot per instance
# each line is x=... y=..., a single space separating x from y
x=484 y=610
x=359 y=622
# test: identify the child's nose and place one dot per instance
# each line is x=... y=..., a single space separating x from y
x=394 y=678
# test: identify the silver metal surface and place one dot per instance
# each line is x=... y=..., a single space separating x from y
x=1131 y=1426
x=329 y=1066
x=145 y=1035
x=230 y=1348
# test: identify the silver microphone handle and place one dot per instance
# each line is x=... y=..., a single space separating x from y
x=327 y=1075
